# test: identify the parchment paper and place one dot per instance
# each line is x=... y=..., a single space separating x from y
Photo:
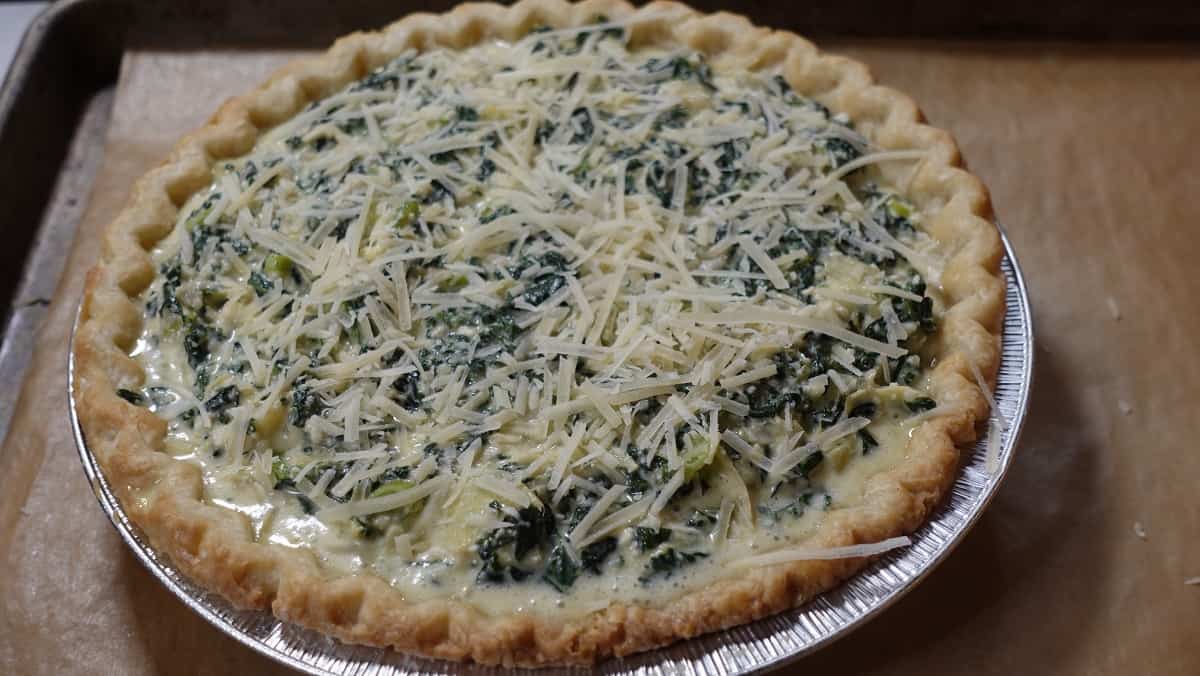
x=1090 y=153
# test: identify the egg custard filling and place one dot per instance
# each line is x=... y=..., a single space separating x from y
x=554 y=323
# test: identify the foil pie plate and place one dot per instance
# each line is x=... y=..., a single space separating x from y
x=758 y=646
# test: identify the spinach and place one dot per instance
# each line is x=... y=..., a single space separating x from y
x=340 y=230
x=922 y=313
x=828 y=414
x=921 y=404
x=680 y=68
x=533 y=529
x=445 y=157
x=466 y=114
x=438 y=192
x=378 y=80
x=673 y=118
x=261 y=285
x=649 y=538
x=561 y=572
x=581 y=122
x=808 y=464
x=661 y=182
x=907 y=370
x=776 y=509
x=323 y=143
x=366 y=527
x=916 y=285
x=540 y=289
x=864 y=360
x=538 y=45
x=353 y=126
x=289 y=487
x=225 y=398
x=130 y=396
x=667 y=562
x=486 y=169
x=868 y=441
x=172 y=274
x=581 y=37
x=304 y=404
x=702 y=519
x=195 y=344
x=768 y=403
x=595 y=554
x=492 y=214
x=202 y=234
x=408 y=391
x=704 y=185
x=502 y=552
x=631 y=173
x=389 y=477
x=550 y=259
x=894 y=215
x=544 y=131
x=647 y=474
x=280 y=469
x=781 y=85
x=161 y=396
x=409 y=212
x=493 y=326
x=315 y=182
x=864 y=410
x=841 y=151
x=450 y=350
x=876 y=330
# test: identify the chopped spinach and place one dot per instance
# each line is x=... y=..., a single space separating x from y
x=667 y=562
x=408 y=391
x=261 y=285
x=224 y=399
x=841 y=151
x=195 y=344
x=868 y=441
x=561 y=572
x=649 y=538
x=130 y=396
x=921 y=404
x=289 y=487
x=305 y=404
x=594 y=555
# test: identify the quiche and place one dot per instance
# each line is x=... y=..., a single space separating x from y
x=539 y=334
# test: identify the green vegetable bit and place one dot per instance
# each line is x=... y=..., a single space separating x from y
x=277 y=265
x=130 y=396
x=408 y=214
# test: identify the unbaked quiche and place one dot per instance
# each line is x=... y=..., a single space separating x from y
x=539 y=334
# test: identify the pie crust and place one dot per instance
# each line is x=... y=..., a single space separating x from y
x=214 y=546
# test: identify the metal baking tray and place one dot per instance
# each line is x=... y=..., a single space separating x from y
x=757 y=646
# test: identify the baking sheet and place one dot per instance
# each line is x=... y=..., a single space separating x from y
x=1087 y=152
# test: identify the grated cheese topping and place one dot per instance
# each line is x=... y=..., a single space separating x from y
x=543 y=312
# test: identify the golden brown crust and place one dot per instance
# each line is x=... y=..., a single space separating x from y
x=214 y=546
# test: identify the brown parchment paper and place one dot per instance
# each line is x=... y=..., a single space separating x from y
x=1091 y=155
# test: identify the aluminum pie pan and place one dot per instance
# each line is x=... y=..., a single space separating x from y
x=767 y=643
